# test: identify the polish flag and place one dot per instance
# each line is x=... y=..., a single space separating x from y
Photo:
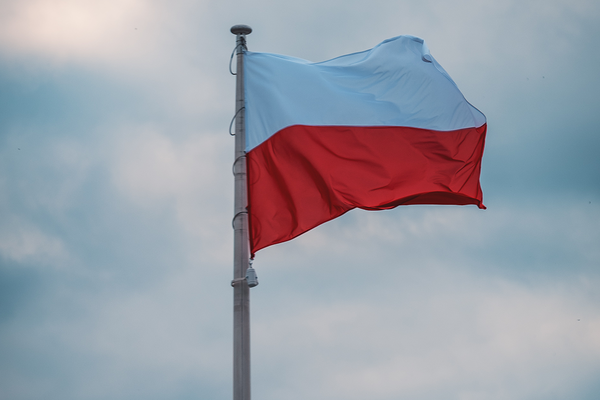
x=372 y=130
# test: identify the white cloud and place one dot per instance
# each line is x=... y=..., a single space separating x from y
x=190 y=175
x=64 y=30
x=458 y=333
x=25 y=244
x=151 y=166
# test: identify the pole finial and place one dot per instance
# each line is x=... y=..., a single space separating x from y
x=241 y=30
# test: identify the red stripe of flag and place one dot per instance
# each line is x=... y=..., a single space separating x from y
x=303 y=176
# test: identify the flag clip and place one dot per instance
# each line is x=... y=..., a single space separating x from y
x=251 y=278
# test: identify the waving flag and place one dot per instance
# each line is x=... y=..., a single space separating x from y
x=371 y=130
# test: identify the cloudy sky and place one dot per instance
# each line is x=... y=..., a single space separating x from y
x=116 y=200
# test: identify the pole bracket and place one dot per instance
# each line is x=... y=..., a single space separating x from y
x=237 y=281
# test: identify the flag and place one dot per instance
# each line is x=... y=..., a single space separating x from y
x=371 y=130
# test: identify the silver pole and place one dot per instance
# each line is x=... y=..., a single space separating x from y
x=241 y=290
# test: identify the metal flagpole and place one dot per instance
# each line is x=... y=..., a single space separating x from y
x=243 y=276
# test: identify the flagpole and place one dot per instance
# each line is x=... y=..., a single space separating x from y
x=241 y=290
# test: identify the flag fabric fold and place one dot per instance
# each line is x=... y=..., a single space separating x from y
x=371 y=130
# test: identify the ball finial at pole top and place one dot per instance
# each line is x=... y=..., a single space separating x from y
x=241 y=30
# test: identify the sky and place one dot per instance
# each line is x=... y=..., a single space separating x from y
x=116 y=201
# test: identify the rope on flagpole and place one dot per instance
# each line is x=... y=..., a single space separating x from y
x=236 y=49
x=233 y=120
x=235 y=216
x=231 y=60
x=235 y=163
